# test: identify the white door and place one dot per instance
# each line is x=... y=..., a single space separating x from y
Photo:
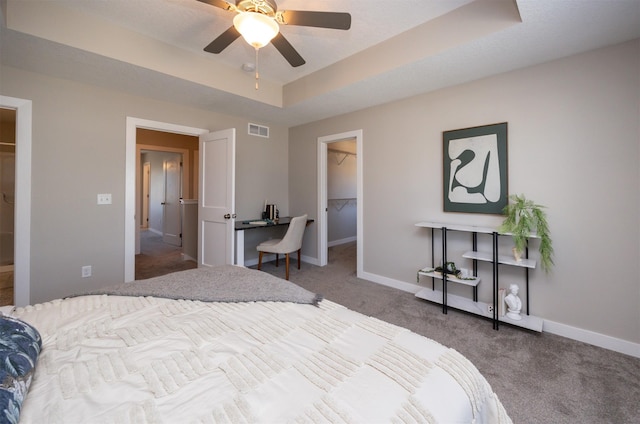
x=146 y=181
x=216 y=200
x=171 y=220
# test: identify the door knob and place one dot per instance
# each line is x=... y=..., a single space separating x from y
x=229 y=216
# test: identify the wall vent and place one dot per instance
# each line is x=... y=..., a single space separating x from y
x=258 y=130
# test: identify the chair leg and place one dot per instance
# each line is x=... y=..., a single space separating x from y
x=277 y=259
x=287 y=266
x=259 y=260
x=299 y=258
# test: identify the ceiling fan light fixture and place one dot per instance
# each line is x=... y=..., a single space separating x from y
x=257 y=29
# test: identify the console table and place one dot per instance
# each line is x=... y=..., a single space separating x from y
x=489 y=310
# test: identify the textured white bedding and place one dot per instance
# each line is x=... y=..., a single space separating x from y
x=117 y=359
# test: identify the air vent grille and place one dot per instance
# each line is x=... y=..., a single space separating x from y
x=259 y=130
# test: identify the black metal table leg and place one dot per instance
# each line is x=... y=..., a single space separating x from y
x=444 y=268
x=495 y=281
x=433 y=259
x=526 y=275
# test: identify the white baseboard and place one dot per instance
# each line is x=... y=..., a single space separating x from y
x=186 y=257
x=341 y=241
x=593 y=338
x=390 y=282
x=154 y=231
x=574 y=333
x=309 y=260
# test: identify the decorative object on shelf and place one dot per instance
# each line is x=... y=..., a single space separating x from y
x=501 y=308
x=514 y=304
x=475 y=169
x=517 y=254
x=448 y=268
x=524 y=218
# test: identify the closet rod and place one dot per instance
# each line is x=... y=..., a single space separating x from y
x=341 y=151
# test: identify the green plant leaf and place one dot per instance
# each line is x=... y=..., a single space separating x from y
x=524 y=217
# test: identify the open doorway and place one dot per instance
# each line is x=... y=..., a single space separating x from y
x=7 y=203
x=340 y=195
x=215 y=229
x=168 y=174
x=22 y=206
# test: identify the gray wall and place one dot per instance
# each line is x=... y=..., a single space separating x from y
x=79 y=151
x=573 y=145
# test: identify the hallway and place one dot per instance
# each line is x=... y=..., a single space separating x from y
x=158 y=258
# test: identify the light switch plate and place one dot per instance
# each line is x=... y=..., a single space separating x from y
x=104 y=199
x=86 y=271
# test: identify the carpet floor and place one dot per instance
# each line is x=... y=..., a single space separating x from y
x=539 y=377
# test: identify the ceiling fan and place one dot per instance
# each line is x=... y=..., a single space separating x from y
x=258 y=22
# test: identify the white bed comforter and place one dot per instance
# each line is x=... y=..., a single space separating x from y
x=116 y=359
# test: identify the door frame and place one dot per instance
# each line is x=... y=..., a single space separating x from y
x=131 y=227
x=323 y=226
x=22 y=220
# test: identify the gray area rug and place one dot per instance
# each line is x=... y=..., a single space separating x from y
x=540 y=378
x=222 y=283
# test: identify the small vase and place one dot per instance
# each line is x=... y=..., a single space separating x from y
x=517 y=254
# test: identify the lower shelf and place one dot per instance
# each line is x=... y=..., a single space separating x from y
x=430 y=272
x=478 y=308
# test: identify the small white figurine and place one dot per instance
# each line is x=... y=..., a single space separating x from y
x=514 y=304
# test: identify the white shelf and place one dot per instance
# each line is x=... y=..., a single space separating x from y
x=502 y=259
x=429 y=272
x=464 y=227
x=479 y=308
x=463 y=303
x=456 y=227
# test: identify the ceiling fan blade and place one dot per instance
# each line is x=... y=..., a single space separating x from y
x=286 y=49
x=223 y=41
x=219 y=3
x=333 y=20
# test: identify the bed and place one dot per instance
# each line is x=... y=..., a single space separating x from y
x=232 y=345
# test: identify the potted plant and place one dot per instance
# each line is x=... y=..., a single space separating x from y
x=524 y=218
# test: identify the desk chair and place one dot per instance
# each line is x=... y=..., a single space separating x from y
x=291 y=242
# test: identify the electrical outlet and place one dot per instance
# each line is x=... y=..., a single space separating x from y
x=490 y=309
x=104 y=199
x=86 y=271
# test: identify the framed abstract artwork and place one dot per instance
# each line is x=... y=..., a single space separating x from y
x=475 y=169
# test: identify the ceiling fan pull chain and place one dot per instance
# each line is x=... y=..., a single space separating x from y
x=257 y=71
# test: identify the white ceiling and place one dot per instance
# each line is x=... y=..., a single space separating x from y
x=394 y=49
